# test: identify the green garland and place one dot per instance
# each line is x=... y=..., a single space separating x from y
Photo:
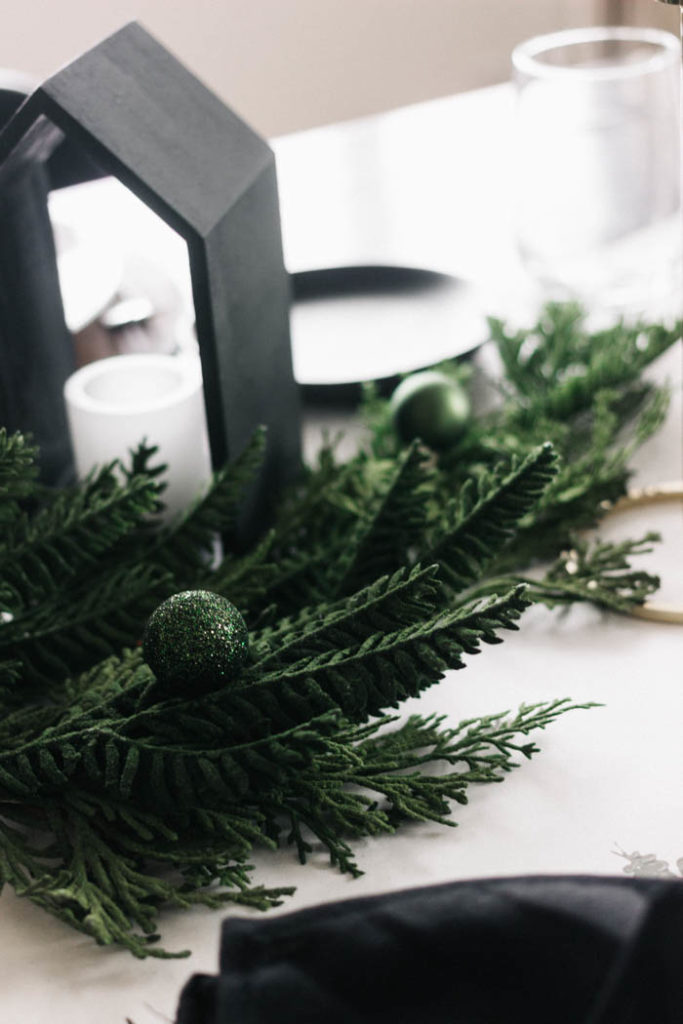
x=118 y=798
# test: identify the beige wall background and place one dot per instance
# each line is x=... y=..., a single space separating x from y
x=290 y=64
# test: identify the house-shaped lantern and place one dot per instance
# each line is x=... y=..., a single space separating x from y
x=135 y=111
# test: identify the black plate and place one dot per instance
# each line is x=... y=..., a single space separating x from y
x=358 y=323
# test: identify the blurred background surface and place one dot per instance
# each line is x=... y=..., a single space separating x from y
x=285 y=65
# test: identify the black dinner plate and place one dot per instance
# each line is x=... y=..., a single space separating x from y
x=357 y=323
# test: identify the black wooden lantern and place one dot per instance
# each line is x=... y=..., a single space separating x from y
x=135 y=111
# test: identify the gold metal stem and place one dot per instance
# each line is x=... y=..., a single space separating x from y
x=653 y=495
x=656 y=495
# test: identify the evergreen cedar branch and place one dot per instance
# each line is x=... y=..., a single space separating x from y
x=377 y=577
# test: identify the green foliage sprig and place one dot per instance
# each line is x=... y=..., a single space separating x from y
x=377 y=577
x=586 y=393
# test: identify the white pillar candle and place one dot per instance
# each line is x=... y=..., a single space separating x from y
x=113 y=404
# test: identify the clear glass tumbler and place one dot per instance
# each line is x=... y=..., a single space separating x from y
x=597 y=166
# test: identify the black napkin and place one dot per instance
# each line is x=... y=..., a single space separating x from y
x=539 y=950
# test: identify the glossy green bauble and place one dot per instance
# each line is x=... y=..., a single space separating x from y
x=431 y=406
x=196 y=641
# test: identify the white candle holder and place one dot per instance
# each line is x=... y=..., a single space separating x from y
x=114 y=404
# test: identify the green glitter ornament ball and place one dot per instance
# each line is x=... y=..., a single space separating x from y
x=196 y=640
x=431 y=406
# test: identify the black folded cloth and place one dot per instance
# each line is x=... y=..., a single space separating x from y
x=538 y=950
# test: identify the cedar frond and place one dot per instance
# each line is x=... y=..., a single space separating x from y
x=557 y=367
x=390 y=783
x=398 y=514
x=69 y=534
x=482 y=519
x=599 y=572
x=80 y=625
x=408 y=595
x=382 y=670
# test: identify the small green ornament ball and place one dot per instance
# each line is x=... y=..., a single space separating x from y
x=196 y=640
x=431 y=406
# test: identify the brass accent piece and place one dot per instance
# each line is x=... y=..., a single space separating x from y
x=654 y=495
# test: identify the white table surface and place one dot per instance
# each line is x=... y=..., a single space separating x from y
x=427 y=185
x=607 y=779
